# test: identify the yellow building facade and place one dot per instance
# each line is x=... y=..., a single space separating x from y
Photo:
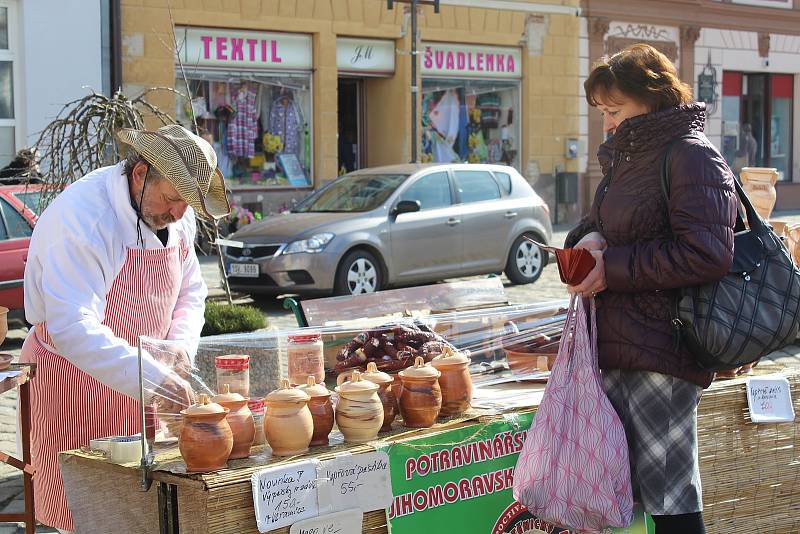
x=294 y=92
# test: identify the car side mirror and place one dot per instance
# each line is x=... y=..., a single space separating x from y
x=406 y=206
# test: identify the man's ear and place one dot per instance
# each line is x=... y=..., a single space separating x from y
x=139 y=173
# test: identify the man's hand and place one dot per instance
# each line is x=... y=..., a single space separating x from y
x=171 y=396
x=595 y=281
x=592 y=241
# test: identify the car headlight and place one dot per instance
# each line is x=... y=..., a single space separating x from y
x=311 y=245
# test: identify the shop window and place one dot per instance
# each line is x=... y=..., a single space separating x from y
x=470 y=121
x=757 y=121
x=259 y=126
x=432 y=191
x=476 y=186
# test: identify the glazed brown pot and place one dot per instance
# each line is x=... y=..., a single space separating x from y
x=359 y=413
x=422 y=396
x=3 y=323
x=240 y=419
x=385 y=393
x=206 y=439
x=321 y=409
x=288 y=424
x=455 y=382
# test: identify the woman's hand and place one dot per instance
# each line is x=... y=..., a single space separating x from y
x=592 y=241
x=595 y=281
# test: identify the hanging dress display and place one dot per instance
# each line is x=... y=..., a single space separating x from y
x=285 y=121
x=243 y=127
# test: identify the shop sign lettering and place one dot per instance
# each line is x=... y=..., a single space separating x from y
x=365 y=56
x=477 y=61
x=214 y=47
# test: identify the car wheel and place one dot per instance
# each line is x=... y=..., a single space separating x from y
x=359 y=272
x=525 y=261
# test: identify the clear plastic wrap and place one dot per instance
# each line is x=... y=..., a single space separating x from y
x=505 y=344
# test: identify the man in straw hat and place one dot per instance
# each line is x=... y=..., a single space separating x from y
x=112 y=259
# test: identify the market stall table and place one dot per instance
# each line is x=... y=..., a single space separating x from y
x=750 y=477
x=18 y=377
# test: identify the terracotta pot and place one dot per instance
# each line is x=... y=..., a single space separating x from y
x=3 y=323
x=524 y=360
x=321 y=409
x=779 y=227
x=422 y=396
x=385 y=393
x=288 y=424
x=455 y=382
x=359 y=413
x=240 y=419
x=206 y=439
x=759 y=184
x=792 y=233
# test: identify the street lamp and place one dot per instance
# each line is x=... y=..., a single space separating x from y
x=414 y=87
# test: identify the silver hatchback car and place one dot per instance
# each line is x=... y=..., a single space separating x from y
x=393 y=226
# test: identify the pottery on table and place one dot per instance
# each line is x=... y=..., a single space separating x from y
x=523 y=360
x=359 y=413
x=5 y=361
x=385 y=393
x=240 y=419
x=288 y=424
x=321 y=409
x=422 y=396
x=455 y=382
x=792 y=233
x=206 y=439
x=3 y=323
x=759 y=184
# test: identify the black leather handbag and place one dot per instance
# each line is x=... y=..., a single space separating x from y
x=754 y=309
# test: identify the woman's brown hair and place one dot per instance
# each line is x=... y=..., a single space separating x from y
x=639 y=72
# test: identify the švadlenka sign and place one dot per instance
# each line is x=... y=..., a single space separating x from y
x=214 y=47
x=470 y=61
x=365 y=56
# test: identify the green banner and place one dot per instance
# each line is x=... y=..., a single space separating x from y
x=460 y=481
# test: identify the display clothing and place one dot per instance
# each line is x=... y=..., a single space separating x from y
x=285 y=121
x=243 y=127
x=90 y=294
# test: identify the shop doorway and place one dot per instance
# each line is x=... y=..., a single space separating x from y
x=352 y=146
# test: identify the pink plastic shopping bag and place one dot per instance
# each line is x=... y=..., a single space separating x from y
x=573 y=470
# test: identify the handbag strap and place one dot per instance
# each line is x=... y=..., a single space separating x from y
x=756 y=222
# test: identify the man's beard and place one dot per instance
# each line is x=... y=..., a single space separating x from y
x=156 y=222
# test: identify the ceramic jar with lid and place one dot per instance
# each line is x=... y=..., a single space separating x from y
x=422 y=396
x=240 y=420
x=288 y=424
x=206 y=439
x=321 y=409
x=455 y=382
x=359 y=413
x=385 y=393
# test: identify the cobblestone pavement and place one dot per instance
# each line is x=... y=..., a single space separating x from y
x=548 y=287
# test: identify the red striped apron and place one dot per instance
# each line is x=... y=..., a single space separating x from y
x=68 y=406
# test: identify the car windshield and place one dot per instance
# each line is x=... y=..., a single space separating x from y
x=30 y=199
x=353 y=193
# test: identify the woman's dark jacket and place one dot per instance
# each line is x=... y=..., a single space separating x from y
x=656 y=246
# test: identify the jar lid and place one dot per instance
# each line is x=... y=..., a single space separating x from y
x=420 y=370
x=357 y=384
x=313 y=389
x=305 y=337
x=234 y=362
x=373 y=375
x=227 y=396
x=203 y=407
x=256 y=404
x=449 y=357
x=286 y=393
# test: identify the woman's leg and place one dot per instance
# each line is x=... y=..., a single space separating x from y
x=680 y=524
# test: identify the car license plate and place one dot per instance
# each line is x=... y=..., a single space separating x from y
x=247 y=270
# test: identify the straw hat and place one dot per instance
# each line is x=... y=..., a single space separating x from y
x=188 y=161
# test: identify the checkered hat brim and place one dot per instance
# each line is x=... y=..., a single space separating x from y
x=188 y=161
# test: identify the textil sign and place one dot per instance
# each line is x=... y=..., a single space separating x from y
x=460 y=481
x=214 y=47
x=470 y=61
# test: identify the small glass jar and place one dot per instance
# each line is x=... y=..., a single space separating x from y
x=257 y=408
x=306 y=357
x=234 y=370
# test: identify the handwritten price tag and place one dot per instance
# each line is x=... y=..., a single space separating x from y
x=285 y=494
x=770 y=399
x=346 y=522
x=359 y=478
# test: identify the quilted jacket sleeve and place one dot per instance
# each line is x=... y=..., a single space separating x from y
x=702 y=214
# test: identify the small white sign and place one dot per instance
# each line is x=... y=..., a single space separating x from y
x=770 y=399
x=285 y=494
x=346 y=522
x=365 y=56
x=232 y=48
x=360 y=478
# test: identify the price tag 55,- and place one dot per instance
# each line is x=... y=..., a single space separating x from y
x=360 y=478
